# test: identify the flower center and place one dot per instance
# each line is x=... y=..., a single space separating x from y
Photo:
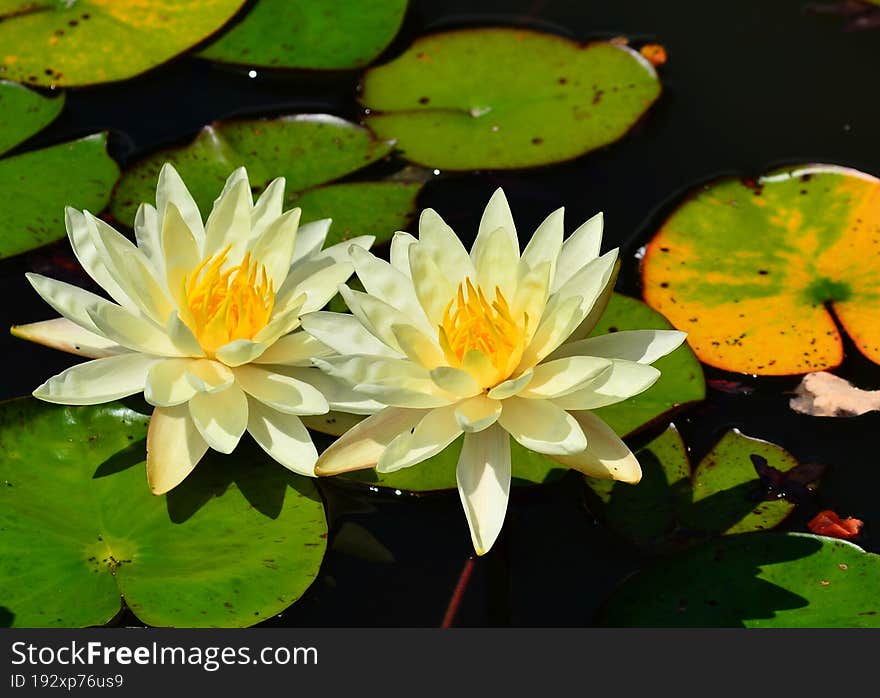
x=228 y=304
x=471 y=322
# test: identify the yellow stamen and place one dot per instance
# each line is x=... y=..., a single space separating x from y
x=228 y=305
x=471 y=322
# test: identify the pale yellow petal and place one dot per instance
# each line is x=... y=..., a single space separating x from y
x=294 y=349
x=541 y=426
x=418 y=347
x=477 y=413
x=606 y=456
x=220 y=417
x=65 y=335
x=98 y=381
x=174 y=448
x=626 y=379
x=554 y=379
x=641 y=346
x=283 y=437
x=455 y=381
x=167 y=383
x=512 y=386
x=171 y=190
x=280 y=392
x=432 y=434
x=240 y=351
x=580 y=247
x=345 y=334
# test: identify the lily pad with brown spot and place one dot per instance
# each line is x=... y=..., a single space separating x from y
x=84 y=42
x=311 y=151
x=237 y=542
x=23 y=113
x=754 y=271
x=673 y=507
x=505 y=98
x=309 y=34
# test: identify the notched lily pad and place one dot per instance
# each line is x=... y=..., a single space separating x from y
x=237 y=542
x=755 y=580
x=753 y=270
x=83 y=42
x=310 y=151
x=23 y=113
x=673 y=507
x=309 y=34
x=506 y=98
x=35 y=195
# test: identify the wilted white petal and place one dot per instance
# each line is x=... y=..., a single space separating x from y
x=483 y=476
x=363 y=445
x=98 y=381
x=65 y=335
x=606 y=455
x=174 y=447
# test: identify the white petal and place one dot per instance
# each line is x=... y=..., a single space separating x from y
x=483 y=476
x=230 y=220
x=268 y=207
x=512 y=386
x=240 y=351
x=283 y=437
x=418 y=347
x=339 y=394
x=345 y=334
x=273 y=247
x=477 y=413
x=433 y=287
x=642 y=346
x=182 y=337
x=318 y=287
x=399 y=253
x=149 y=237
x=310 y=239
x=363 y=445
x=626 y=379
x=98 y=381
x=171 y=190
x=546 y=243
x=132 y=331
x=580 y=247
x=541 y=426
x=496 y=215
x=283 y=322
x=207 y=376
x=442 y=245
x=606 y=456
x=554 y=379
x=63 y=334
x=174 y=447
x=71 y=301
x=296 y=348
x=496 y=261
x=454 y=380
x=220 y=417
x=167 y=383
x=332 y=423
x=432 y=434
x=377 y=317
x=81 y=232
x=280 y=392
x=182 y=252
x=599 y=306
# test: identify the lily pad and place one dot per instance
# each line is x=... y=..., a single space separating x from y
x=682 y=382
x=506 y=98
x=310 y=151
x=756 y=580
x=672 y=507
x=681 y=379
x=87 y=42
x=236 y=543
x=35 y=194
x=753 y=270
x=23 y=113
x=309 y=34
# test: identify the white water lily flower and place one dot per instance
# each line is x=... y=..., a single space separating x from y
x=491 y=344
x=203 y=323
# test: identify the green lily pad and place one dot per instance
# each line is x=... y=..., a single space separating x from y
x=23 y=113
x=35 y=195
x=310 y=151
x=754 y=269
x=506 y=98
x=87 y=42
x=682 y=382
x=309 y=34
x=236 y=543
x=681 y=379
x=756 y=580
x=672 y=507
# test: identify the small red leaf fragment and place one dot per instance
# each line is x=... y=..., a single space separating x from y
x=828 y=523
x=654 y=53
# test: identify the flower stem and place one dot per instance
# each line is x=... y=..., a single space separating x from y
x=458 y=593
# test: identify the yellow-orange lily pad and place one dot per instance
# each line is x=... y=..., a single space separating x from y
x=756 y=271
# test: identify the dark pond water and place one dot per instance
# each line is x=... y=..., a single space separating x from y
x=749 y=85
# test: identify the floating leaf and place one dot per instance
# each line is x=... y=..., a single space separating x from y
x=84 y=42
x=38 y=185
x=682 y=382
x=236 y=543
x=752 y=269
x=506 y=98
x=23 y=113
x=757 y=580
x=310 y=151
x=672 y=507
x=309 y=34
